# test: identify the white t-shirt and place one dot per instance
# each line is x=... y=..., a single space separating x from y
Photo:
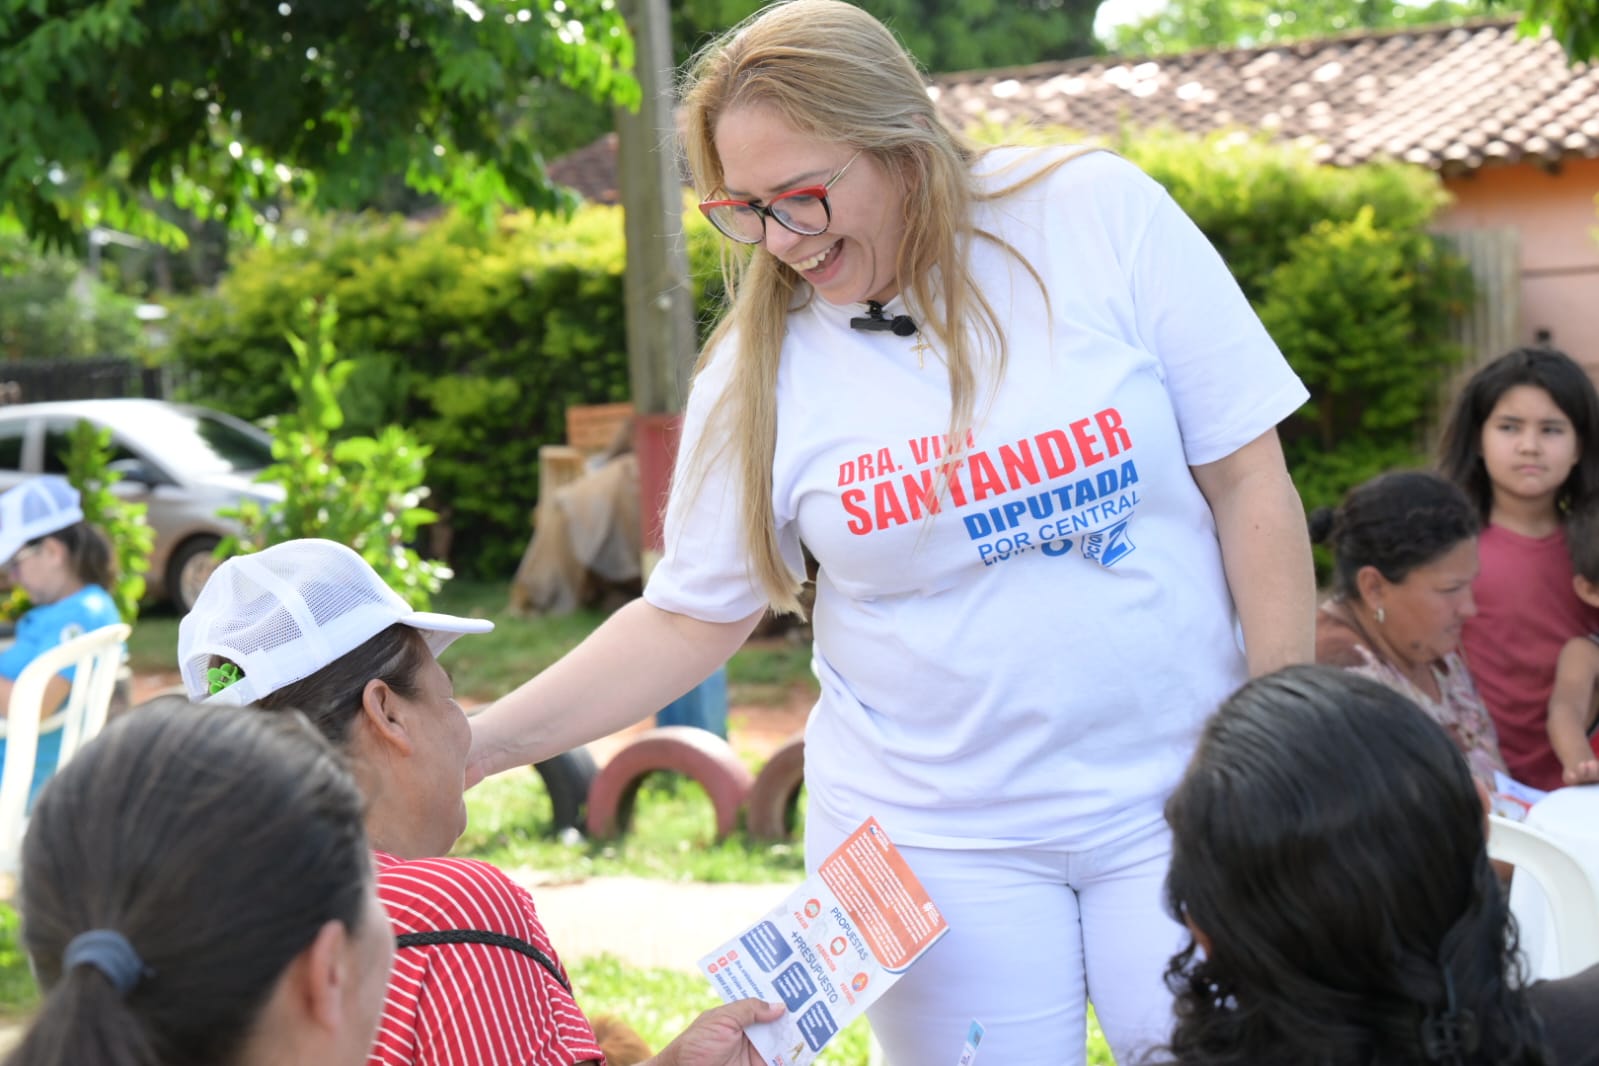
x=1031 y=665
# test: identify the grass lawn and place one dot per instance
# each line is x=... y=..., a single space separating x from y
x=488 y=665
x=672 y=837
x=673 y=830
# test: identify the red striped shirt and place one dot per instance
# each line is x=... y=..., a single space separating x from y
x=471 y=1004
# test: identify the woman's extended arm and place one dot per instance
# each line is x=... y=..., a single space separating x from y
x=1266 y=551
x=638 y=661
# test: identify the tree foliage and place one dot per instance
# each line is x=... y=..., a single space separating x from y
x=223 y=107
x=1185 y=25
x=1574 y=23
x=50 y=308
x=123 y=521
x=945 y=35
x=363 y=491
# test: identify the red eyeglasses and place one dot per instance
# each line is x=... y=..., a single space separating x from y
x=802 y=211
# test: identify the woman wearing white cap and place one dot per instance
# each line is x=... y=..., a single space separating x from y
x=308 y=625
x=65 y=565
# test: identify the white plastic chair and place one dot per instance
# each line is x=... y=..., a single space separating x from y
x=97 y=655
x=1566 y=883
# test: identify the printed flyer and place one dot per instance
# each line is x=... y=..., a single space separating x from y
x=834 y=945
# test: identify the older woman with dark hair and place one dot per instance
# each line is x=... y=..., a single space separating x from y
x=309 y=627
x=1330 y=860
x=1405 y=553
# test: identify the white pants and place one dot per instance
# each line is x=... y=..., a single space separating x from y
x=1034 y=936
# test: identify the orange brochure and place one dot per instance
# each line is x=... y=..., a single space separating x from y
x=834 y=945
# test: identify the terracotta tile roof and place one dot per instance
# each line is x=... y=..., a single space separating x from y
x=1454 y=98
x=1451 y=98
x=591 y=170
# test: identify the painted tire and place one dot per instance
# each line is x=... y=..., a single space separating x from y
x=774 y=801
x=703 y=756
x=568 y=777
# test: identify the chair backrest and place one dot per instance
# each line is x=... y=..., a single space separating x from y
x=1570 y=889
x=97 y=655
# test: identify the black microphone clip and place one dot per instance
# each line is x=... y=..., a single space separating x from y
x=876 y=321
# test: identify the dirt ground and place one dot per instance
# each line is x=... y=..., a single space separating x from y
x=752 y=730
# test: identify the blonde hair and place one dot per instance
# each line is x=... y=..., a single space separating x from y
x=833 y=72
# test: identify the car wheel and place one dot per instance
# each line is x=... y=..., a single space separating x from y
x=188 y=569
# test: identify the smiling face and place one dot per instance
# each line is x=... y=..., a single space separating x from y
x=763 y=156
x=1424 y=613
x=1529 y=447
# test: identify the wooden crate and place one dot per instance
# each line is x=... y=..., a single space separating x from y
x=593 y=427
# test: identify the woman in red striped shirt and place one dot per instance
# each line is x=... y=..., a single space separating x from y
x=309 y=625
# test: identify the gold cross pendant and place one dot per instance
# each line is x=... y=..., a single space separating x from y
x=921 y=350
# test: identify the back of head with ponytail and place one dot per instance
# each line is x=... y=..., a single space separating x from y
x=1328 y=840
x=217 y=844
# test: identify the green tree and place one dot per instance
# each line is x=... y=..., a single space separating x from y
x=1184 y=25
x=50 y=308
x=1574 y=23
x=123 y=521
x=364 y=491
x=945 y=35
x=223 y=108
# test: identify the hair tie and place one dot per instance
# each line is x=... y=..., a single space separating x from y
x=1451 y=1035
x=109 y=952
x=220 y=677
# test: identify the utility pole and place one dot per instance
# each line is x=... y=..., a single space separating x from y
x=660 y=299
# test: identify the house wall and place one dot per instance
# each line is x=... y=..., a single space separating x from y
x=1557 y=217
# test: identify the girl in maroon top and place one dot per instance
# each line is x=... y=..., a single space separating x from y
x=1523 y=443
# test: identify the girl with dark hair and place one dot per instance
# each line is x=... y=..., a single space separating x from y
x=65 y=565
x=1405 y=554
x=1330 y=861
x=1523 y=443
x=196 y=890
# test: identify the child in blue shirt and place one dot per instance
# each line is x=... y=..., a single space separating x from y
x=64 y=564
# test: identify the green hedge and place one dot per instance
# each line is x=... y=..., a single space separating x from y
x=479 y=340
x=1339 y=265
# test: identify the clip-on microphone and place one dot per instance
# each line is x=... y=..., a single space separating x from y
x=876 y=321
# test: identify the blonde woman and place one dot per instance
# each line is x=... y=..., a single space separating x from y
x=1022 y=416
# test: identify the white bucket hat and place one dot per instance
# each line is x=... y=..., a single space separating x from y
x=36 y=508
x=286 y=612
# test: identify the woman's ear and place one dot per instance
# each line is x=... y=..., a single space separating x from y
x=323 y=971
x=1371 y=585
x=383 y=719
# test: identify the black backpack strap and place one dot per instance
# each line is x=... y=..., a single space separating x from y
x=479 y=936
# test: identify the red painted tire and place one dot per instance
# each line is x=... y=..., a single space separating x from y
x=703 y=756
x=774 y=801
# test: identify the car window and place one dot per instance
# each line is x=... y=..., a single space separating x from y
x=58 y=443
x=201 y=443
x=11 y=435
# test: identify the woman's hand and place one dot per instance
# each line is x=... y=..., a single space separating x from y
x=1585 y=772
x=716 y=1038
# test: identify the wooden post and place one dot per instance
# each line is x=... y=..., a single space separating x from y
x=660 y=300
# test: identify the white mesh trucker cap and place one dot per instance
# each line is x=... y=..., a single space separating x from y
x=36 y=508
x=286 y=612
